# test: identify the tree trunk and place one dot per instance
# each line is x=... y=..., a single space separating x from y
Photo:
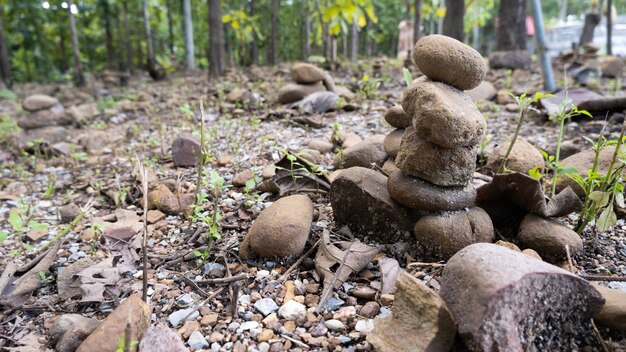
x=591 y=22
x=121 y=63
x=151 y=62
x=254 y=45
x=563 y=11
x=511 y=35
x=108 y=34
x=79 y=77
x=307 y=32
x=273 y=56
x=5 y=65
x=216 y=33
x=453 y=21
x=189 y=49
x=354 y=47
x=440 y=20
x=170 y=27
x=127 y=41
x=609 y=28
x=417 y=32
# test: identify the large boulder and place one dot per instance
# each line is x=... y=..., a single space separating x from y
x=106 y=337
x=438 y=165
x=613 y=314
x=444 y=115
x=583 y=162
x=523 y=157
x=306 y=73
x=360 y=199
x=39 y=102
x=611 y=66
x=280 y=230
x=293 y=92
x=419 y=321
x=448 y=60
x=549 y=237
x=365 y=153
x=442 y=235
x=422 y=195
x=517 y=303
x=68 y=331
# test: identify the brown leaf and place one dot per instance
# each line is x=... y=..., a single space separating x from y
x=527 y=193
x=96 y=278
x=335 y=262
x=292 y=177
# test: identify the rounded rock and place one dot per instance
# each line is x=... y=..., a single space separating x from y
x=306 y=73
x=392 y=142
x=280 y=230
x=293 y=92
x=39 y=102
x=548 y=237
x=396 y=117
x=365 y=153
x=448 y=60
x=444 y=115
x=442 y=235
x=422 y=195
x=523 y=157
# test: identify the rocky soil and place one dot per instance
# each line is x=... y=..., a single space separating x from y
x=283 y=252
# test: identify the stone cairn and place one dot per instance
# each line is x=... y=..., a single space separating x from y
x=43 y=111
x=441 y=129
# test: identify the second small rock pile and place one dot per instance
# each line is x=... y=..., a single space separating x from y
x=437 y=153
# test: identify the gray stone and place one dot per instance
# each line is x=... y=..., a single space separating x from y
x=177 y=317
x=442 y=235
x=448 y=60
x=523 y=157
x=293 y=92
x=484 y=92
x=510 y=59
x=440 y=166
x=549 y=237
x=68 y=331
x=422 y=195
x=292 y=310
x=186 y=151
x=197 y=341
x=160 y=338
x=444 y=115
x=39 y=102
x=266 y=306
x=280 y=230
x=55 y=116
x=334 y=325
x=396 y=117
x=360 y=200
x=306 y=73
x=517 y=303
x=392 y=142
x=369 y=151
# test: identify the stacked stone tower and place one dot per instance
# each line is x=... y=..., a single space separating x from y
x=437 y=154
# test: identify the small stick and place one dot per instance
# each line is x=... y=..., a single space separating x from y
x=284 y=276
x=194 y=285
x=127 y=342
x=233 y=289
x=603 y=278
x=8 y=272
x=224 y=280
x=69 y=227
x=597 y=333
x=299 y=343
x=569 y=259
x=420 y=264
x=329 y=290
x=144 y=251
x=193 y=310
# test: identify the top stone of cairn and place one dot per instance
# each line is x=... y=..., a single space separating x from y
x=448 y=60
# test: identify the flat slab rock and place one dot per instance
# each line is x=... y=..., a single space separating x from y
x=360 y=200
x=503 y=300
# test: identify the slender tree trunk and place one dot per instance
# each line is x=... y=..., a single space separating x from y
x=453 y=21
x=127 y=40
x=591 y=22
x=146 y=20
x=273 y=56
x=121 y=63
x=344 y=44
x=563 y=11
x=5 y=64
x=440 y=20
x=108 y=34
x=189 y=48
x=79 y=77
x=254 y=45
x=354 y=47
x=230 y=61
x=511 y=35
x=307 y=31
x=609 y=27
x=170 y=27
x=216 y=32
x=417 y=32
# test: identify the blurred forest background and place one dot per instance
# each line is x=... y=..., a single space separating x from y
x=39 y=39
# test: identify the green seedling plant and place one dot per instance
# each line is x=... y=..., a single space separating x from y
x=50 y=187
x=295 y=166
x=408 y=78
x=214 y=183
x=524 y=102
x=565 y=111
x=602 y=191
